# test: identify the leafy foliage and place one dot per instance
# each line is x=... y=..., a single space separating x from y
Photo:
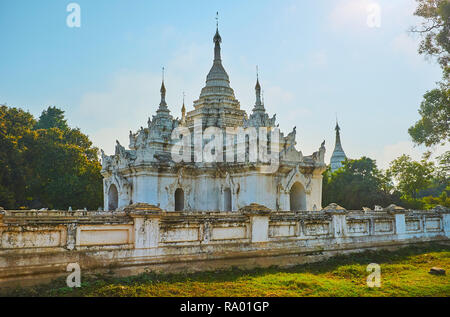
x=433 y=127
x=45 y=163
x=422 y=184
x=411 y=176
x=357 y=184
x=52 y=118
x=435 y=30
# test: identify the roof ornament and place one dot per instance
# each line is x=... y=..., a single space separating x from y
x=183 y=110
x=258 y=86
x=163 y=91
x=337 y=124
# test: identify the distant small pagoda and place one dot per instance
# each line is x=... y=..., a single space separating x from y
x=338 y=154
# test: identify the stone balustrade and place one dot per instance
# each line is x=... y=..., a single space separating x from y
x=36 y=246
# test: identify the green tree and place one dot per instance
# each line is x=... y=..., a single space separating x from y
x=435 y=30
x=52 y=118
x=64 y=174
x=411 y=176
x=434 y=125
x=16 y=136
x=358 y=183
x=53 y=167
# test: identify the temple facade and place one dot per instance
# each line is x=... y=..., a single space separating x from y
x=147 y=172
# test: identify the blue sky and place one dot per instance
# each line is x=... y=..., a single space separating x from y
x=316 y=59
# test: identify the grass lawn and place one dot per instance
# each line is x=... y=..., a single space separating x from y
x=403 y=273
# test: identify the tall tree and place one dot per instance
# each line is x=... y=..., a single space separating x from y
x=433 y=126
x=435 y=30
x=54 y=166
x=411 y=176
x=16 y=136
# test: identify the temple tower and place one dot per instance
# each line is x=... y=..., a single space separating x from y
x=338 y=154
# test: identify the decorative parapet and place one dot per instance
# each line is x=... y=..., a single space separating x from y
x=441 y=209
x=142 y=209
x=259 y=221
x=394 y=209
x=142 y=236
x=334 y=208
x=255 y=209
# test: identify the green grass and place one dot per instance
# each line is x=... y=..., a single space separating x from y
x=403 y=273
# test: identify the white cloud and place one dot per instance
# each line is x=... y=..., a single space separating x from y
x=350 y=14
x=392 y=151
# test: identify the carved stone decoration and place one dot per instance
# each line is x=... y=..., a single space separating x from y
x=186 y=186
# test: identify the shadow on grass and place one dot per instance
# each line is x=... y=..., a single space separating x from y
x=89 y=282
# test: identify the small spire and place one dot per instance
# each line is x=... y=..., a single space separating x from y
x=258 y=86
x=337 y=128
x=217 y=20
x=163 y=91
x=338 y=134
x=183 y=109
x=259 y=106
x=217 y=40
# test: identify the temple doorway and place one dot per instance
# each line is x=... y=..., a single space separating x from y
x=227 y=199
x=113 y=198
x=297 y=197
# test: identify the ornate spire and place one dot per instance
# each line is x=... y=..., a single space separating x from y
x=217 y=76
x=163 y=110
x=259 y=107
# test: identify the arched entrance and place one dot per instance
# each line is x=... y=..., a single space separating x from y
x=297 y=197
x=113 y=198
x=227 y=206
x=179 y=199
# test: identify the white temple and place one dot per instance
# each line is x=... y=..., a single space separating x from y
x=148 y=173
